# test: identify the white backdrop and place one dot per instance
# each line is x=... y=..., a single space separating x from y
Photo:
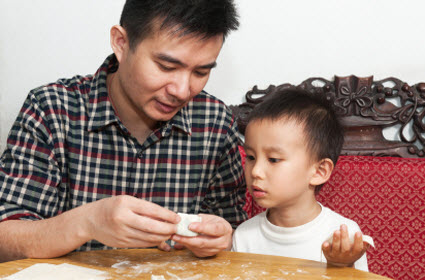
x=278 y=41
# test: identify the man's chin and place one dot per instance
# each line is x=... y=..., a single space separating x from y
x=164 y=117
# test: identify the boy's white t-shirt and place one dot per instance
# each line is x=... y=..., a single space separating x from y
x=258 y=235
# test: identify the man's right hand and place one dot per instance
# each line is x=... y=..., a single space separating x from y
x=128 y=222
x=119 y=221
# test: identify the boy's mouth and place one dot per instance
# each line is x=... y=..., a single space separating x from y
x=257 y=192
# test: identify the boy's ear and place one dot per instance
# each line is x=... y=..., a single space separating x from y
x=119 y=41
x=322 y=172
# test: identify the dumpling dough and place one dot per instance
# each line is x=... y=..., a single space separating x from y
x=366 y=238
x=186 y=220
x=65 y=271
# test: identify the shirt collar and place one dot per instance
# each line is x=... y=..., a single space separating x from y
x=101 y=112
x=181 y=121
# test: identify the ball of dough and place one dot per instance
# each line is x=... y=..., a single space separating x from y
x=186 y=220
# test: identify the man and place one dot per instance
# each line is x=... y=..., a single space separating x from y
x=107 y=160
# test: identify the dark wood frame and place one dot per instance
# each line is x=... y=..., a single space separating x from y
x=365 y=108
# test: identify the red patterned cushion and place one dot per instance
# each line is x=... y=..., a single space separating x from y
x=386 y=197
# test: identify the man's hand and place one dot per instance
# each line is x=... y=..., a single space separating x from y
x=126 y=221
x=341 y=252
x=215 y=235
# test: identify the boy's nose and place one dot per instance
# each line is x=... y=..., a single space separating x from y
x=257 y=171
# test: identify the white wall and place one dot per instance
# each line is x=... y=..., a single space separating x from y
x=278 y=41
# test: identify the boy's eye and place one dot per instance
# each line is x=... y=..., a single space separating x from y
x=274 y=160
x=250 y=157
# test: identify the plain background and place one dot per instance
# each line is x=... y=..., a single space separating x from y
x=278 y=41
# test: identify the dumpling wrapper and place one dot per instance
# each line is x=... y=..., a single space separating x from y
x=183 y=225
x=366 y=238
x=65 y=271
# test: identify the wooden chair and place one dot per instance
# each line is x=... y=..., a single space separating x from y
x=377 y=182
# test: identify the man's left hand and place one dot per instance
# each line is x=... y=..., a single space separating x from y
x=215 y=235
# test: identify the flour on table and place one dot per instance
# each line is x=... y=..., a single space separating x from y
x=186 y=220
x=157 y=277
x=175 y=277
x=65 y=271
x=121 y=265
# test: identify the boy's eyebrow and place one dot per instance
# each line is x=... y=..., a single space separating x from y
x=268 y=149
x=274 y=149
x=166 y=57
x=245 y=146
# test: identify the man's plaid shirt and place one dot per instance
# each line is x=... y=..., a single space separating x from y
x=68 y=147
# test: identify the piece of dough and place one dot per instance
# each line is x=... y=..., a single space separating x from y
x=65 y=271
x=366 y=238
x=157 y=277
x=186 y=220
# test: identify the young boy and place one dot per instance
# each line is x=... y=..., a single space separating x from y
x=292 y=143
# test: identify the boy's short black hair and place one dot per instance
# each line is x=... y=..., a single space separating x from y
x=204 y=17
x=324 y=134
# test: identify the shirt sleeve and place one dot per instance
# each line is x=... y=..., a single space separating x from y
x=29 y=172
x=226 y=196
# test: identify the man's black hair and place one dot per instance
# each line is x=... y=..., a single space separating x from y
x=324 y=134
x=207 y=18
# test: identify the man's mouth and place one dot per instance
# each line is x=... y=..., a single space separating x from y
x=166 y=108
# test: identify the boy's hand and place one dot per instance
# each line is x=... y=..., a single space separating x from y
x=341 y=252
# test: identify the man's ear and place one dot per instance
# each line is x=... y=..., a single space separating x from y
x=119 y=41
x=322 y=172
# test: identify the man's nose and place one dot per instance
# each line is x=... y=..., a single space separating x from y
x=179 y=88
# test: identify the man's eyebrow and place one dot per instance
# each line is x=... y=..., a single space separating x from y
x=208 y=66
x=167 y=58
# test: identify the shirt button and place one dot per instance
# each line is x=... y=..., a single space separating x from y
x=140 y=154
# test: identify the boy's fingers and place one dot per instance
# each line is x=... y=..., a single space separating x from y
x=358 y=246
x=336 y=241
x=365 y=247
x=345 y=239
x=326 y=247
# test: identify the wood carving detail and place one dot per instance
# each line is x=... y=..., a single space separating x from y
x=366 y=107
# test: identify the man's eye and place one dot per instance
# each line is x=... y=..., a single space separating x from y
x=165 y=68
x=201 y=74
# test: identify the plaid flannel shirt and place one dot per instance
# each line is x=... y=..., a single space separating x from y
x=68 y=147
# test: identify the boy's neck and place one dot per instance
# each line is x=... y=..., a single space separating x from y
x=294 y=216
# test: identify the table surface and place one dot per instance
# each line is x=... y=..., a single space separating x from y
x=143 y=263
